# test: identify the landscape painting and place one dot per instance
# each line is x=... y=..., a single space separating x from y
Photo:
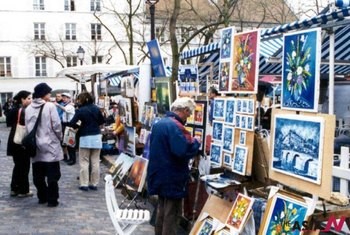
x=301 y=70
x=137 y=174
x=297 y=146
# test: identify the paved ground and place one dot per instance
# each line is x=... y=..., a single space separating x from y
x=78 y=212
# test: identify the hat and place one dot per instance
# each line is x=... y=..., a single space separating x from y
x=66 y=95
x=41 y=90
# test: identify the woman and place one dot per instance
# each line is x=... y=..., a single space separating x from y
x=88 y=119
x=20 y=181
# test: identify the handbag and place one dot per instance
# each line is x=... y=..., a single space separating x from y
x=69 y=136
x=20 y=130
x=29 y=141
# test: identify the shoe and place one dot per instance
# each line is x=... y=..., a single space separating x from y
x=29 y=194
x=52 y=204
x=70 y=163
x=93 y=187
x=13 y=193
x=84 y=188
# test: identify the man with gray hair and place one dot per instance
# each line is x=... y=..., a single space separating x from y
x=171 y=148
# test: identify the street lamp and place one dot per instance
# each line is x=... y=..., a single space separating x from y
x=81 y=54
x=152 y=9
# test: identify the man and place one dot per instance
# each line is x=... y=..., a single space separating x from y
x=171 y=148
x=59 y=101
x=46 y=163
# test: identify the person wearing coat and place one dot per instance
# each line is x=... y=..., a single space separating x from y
x=20 y=172
x=46 y=162
x=171 y=148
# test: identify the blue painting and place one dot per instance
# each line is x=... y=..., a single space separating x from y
x=226 y=43
x=227 y=159
x=229 y=133
x=284 y=210
x=156 y=58
x=230 y=111
x=219 y=108
x=215 y=154
x=224 y=77
x=301 y=70
x=240 y=159
x=218 y=128
x=206 y=227
x=297 y=146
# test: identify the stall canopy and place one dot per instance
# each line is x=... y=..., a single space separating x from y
x=271 y=45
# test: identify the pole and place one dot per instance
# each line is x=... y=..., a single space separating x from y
x=331 y=73
x=151 y=11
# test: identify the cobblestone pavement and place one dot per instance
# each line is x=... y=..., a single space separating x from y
x=78 y=212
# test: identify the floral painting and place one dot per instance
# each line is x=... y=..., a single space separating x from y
x=245 y=64
x=282 y=214
x=206 y=227
x=240 y=212
x=301 y=70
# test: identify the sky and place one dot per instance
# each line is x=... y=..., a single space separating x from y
x=307 y=6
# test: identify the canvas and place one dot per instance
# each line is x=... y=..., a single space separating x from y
x=227 y=159
x=137 y=174
x=219 y=108
x=226 y=43
x=120 y=167
x=230 y=111
x=199 y=133
x=188 y=80
x=245 y=62
x=224 y=77
x=218 y=128
x=301 y=70
x=199 y=114
x=239 y=212
x=157 y=61
x=206 y=227
x=239 y=162
x=163 y=95
x=228 y=138
x=215 y=154
x=126 y=111
x=283 y=211
x=129 y=138
x=242 y=137
x=297 y=145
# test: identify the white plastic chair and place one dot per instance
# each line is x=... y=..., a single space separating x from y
x=124 y=221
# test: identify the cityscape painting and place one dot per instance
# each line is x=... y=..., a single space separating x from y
x=230 y=111
x=228 y=138
x=297 y=146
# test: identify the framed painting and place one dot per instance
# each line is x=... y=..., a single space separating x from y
x=157 y=61
x=244 y=106
x=199 y=132
x=126 y=111
x=206 y=227
x=238 y=121
x=224 y=231
x=282 y=210
x=215 y=154
x=129 y=140
x=199 y=114
x=250 y=123
x=224 y=77
x=188 y=80
x=218 y=128
x=239 y=105
x=240 y=160
x=301 y=70
x=163 y=95
x=243 y=122
x=240 y=212
x=226 y=43
x=189 y=129
x=227 y=157
x=230 y=111
x=251 y=109
x=242 y=137
x=228 y=138
x=245 y=62
x=120 y=167
x=137 y=175
x=297 y=146
x=219 y=108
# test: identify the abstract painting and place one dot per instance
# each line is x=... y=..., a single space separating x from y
x=282 y=214
x=240 y=160
x=206 y=227
x=230 y=111
x=228 y=138
x=297 y=146
x=218 y=128
x=239 y=212
x=219 y=107
x=301 y=70
x=245 y=62
x=215 y=154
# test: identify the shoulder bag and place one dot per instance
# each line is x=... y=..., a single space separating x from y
x=29 y=141
x=20 y=130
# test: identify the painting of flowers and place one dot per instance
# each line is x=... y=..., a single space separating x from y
x=239 y=212
x=283 y=213
x=245 y=64
x=301 y=70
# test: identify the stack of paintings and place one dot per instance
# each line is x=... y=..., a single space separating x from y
x=137 y=175
x=120 y=168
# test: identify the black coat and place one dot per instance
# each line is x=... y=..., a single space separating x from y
x=12 y=148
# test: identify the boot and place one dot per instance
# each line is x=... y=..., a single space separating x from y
x=65 y=158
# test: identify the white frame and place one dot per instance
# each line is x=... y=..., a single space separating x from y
x=237 y=147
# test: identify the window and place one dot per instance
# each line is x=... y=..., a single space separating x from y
x=95 y=32
x=71 y=32
x=5 y=67
x=95 y=5
x=96 y=59
x=183 y=34
x=160 y=34
x=40 y=66
x=72 y=61
x=69 y=5
x=39 y=31
x=38 y=5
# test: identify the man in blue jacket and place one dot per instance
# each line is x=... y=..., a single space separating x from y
x=171 y=148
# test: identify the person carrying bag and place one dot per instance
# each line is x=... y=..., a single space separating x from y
x=20 y=130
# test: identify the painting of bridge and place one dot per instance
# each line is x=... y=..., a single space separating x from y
x=297 y=146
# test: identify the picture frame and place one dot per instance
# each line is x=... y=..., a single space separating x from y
x=219 y=108
x=215 y=154
x=137 y=175
x=206 y=227
x=242 y=137
x=228 y=138
x=188 y=80
x=224 y=77
x=226 y=43
x=250 y=123
x=230 y=111
x=243 y=122
x=251 y=106
x=300 y=155
x=120 y=168
x=239 y=105
x=126 y=111
x=199 y=133
x=301 y=63
x=244 y=106
x=239 y=212
x=164 y=94
x=199 y=114
x=227 y=159
x=239 y=162
x=218 y=129
x=238 y=121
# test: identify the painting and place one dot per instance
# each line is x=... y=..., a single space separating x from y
x=245 y=106
x=219 y=107
x=245 y=62
x=137 y=174
x=199 y=133
x=199 y=114
x=243 y=122
x=240 y=212
x=228 y=138
x=297 y=146
x=120 y=167
x=157 y=61
x=218 y=128
x=283 y=210
x=226 y=43
x=250 y=123
x=224 y=232
x=238 y=121
x=224 y=77
x=301 y=70
x=240 y=160
x=188 y=79
x=227 y=159
x=230 y=111
x=126 y=111
x=129 y=140
x=189 y=129
x=251 y=106
x=239 y=105
x=215 y=154
x=242 y=137
x=163 y=95
x=206 y=227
